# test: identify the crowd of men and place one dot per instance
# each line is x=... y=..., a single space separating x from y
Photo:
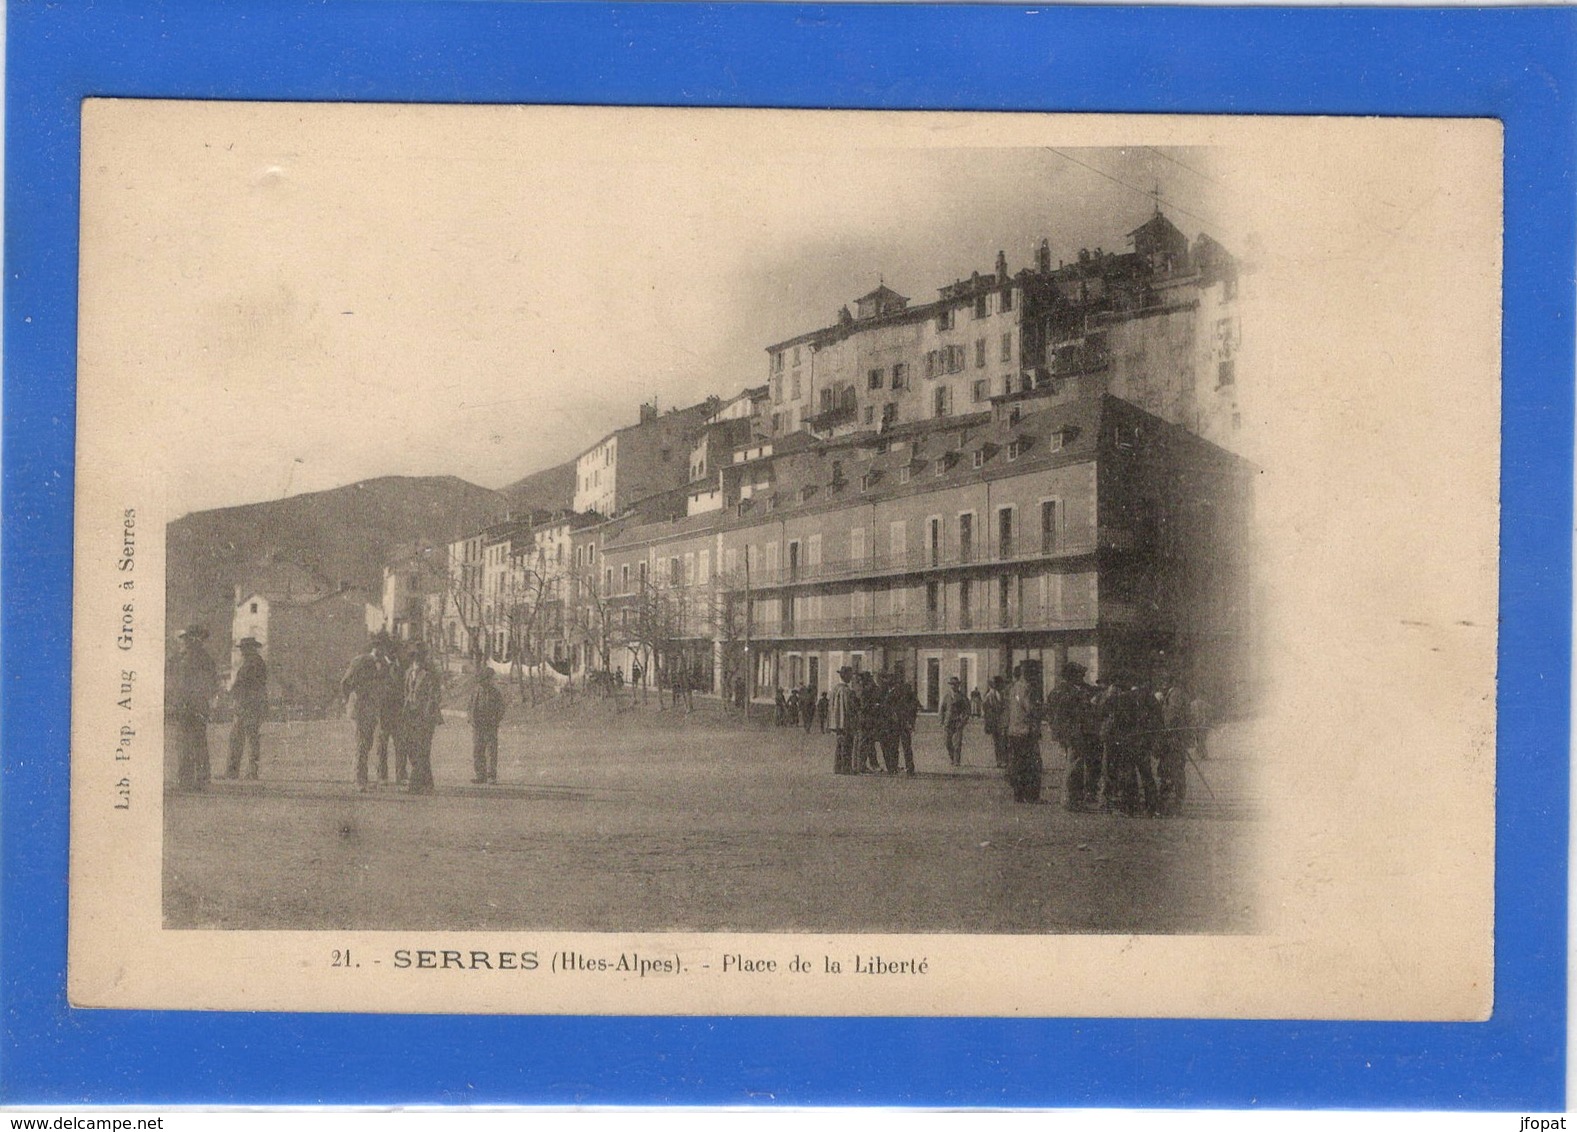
x=395 y=695
x=1127 y=744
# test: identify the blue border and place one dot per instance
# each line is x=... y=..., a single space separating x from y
x=1516 y=65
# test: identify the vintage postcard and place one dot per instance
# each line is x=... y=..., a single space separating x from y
x=636 y=561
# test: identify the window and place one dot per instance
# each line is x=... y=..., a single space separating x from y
x=674 y=574
x=980 y=353
x=934 y=533
x=982 y=390
x=607 y=580
x=903 y=474
x=873 y=379
x=1005 y=533
x=794 y=392
x=777 y=422
x=942 y=401
x=941 y=464
x=806 y=492
x=1225 y=374
x=1048 y=526
x=1229 y=288
x=900 y=375
x=777 y=391
x=966 y=536
x=1056 y=440
x=1007 y=347
x=837 y=471
x=1014 y=448
x=965 y=604
x=890 y=413
x=870 y=414
x=777 y=362
x=254 y=607
x=689 y=569
x=1004 y=601
x=1007 y=299
x=796 y=355
x=982 y=306
x=955 y=359
x=978 y=459
x=944 y=321
x=868 y=481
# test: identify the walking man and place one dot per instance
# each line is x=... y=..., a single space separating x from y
x=840 y=717
x=362 y=687
x=423 y=713
x=390 y=703
x=189 y=696
x=487 y=711
x=249 y=695
x=955 y=717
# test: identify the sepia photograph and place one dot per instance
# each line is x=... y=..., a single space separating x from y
x=560 y=524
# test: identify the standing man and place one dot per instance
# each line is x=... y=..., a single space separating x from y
x=739 y=694
x=886 y=694
x=423 y=713
x=906 y=709
x=869 y=715
x=1172 y=750
x=955 y=717
x=840 y=717
x=362 y=687
x=821 y=713
x=807 y=707
x=391 y=701
x=487 y=711
x=249 y=695
x=1023 y=728
x=189 y=695
x=1070 y=712
x=992 y=709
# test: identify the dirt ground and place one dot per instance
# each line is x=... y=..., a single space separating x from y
x=645 y=821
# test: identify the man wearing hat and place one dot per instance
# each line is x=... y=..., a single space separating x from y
x=189 y=695
x=249 y=695
x=364 y=687
x=955 y=711
x=424 y=693
x=1075 y=725
x=840 y=717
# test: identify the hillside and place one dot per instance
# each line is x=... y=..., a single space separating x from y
x=344 y=535
x=551 y=489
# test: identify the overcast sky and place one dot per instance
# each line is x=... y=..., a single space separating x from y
x=328 y=294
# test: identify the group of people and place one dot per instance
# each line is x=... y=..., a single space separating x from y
x=1127 y=744
x=395 y=695
x=802 y=708
x=868 y=713
x=191 y=686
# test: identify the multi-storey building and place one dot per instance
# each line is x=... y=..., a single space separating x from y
x=639 y=460
x=1055 y=525
x=1156 y=326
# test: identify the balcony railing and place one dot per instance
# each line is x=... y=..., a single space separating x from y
x=920 y=622
x=916 y=561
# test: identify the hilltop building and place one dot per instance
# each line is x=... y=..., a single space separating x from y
x=1156 y=326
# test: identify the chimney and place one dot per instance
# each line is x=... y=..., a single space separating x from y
x=1002 y=266
x=648 y=412
x=1043 y=257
